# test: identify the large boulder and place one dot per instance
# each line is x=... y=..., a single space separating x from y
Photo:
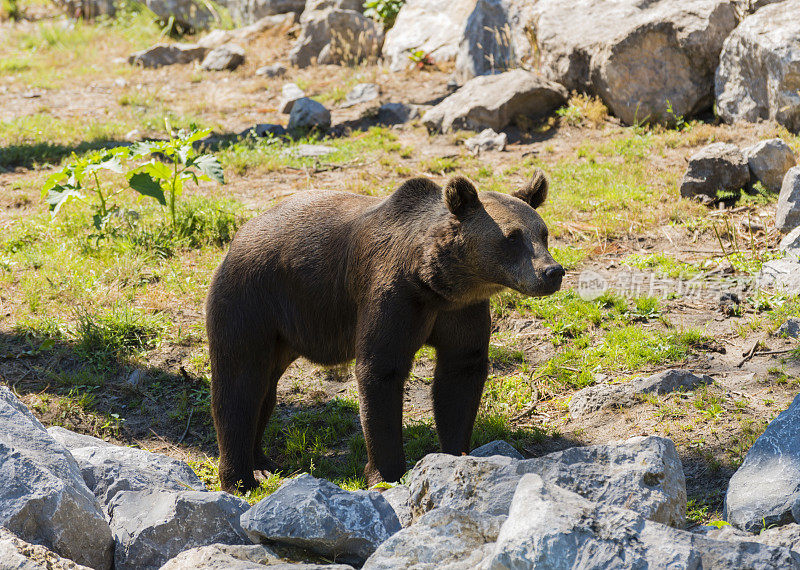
x=715 y=167
x=108 y=470
x=603 y=396
x=43 y=498
x=433 y=27
x=317 y=515
x=642 y=473
x=759 y=66
x=765 y=490
x=769 y=161
x=550 y=527
x=648 y=61
x=442 y=537
x=151 y=527
x=494 y=101
x=190 y=15
x=787 y=216
x=251 y=11
x=336 y=36
x=16 y=554
x=239 y=557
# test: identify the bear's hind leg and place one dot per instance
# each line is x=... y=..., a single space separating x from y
x=263 y=466
x=238 y=390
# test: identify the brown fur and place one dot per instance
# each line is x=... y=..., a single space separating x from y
x=333 y=276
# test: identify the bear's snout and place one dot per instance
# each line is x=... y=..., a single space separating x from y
x=554 y=272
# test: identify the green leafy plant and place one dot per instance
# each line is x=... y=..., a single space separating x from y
x=383 y=11
x=79 y=180
x=164 y=180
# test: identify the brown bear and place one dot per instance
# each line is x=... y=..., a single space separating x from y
x=333 y=276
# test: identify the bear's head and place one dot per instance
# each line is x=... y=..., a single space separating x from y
x=504 y=238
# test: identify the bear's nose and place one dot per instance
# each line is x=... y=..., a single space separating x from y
x=554 y=272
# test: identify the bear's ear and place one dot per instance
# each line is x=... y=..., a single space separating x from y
x=535 y=191
x=460 y=196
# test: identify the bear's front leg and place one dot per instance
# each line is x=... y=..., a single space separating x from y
x=389 y=335
x=461 y=340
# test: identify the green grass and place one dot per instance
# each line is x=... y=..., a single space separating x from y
x=664 y=264
x=251 y=156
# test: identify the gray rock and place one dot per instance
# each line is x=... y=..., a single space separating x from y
x=336 y=36
x=485 y=141
x=642 y=473
x=765 y=489
x=289 y=94
x=43 y=498
x=769 y=161
x=317 y=515
x=274 y=70
x=780 y=274
x=497 y=447
x=718 y=166
x=227 y=57
x=72 y=440
x=309 y=114
x=790 y=244
x=252 y=11
x=161 y=55
x=399 y=497
x=636 y=55
x=790 y=329
x=151 y=527
x=493 y=101
x=361 y=93
x=441 y=538
x=310 y=150
x=109 y=470
x=397 y=113
x=236 y=557
x=190 y=15
x=550 y=527
x=603 y=396
x=434 y=27
x=787 y=217
x=760 y=61
x=16 y=554
x=787 y=536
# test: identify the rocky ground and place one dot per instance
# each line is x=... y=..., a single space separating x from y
x=104 y=334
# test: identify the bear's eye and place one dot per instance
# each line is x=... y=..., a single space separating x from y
x=514 y=237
